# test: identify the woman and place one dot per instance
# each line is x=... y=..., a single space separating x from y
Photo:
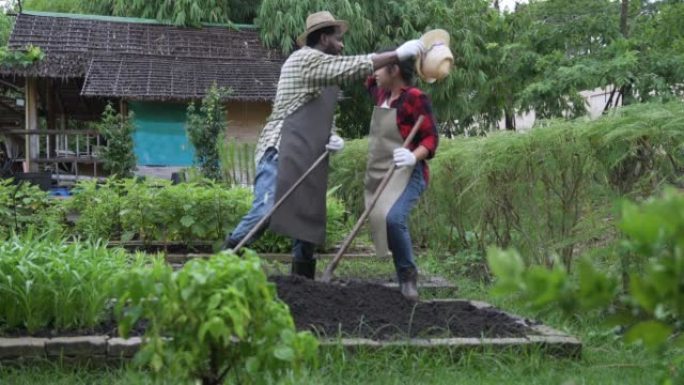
x=397 y=107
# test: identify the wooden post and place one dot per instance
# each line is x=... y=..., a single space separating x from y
x=51 y=119
x=32 y=148
x=123 y=108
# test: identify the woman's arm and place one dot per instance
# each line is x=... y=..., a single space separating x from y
x=427 y=138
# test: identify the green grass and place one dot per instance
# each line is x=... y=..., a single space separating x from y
x=605 y=359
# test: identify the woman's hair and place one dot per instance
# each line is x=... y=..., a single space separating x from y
x=407 y=68
x=315 y=37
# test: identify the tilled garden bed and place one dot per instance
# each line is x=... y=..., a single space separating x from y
x=351 y=313
x=361 y=309
x=181 y=252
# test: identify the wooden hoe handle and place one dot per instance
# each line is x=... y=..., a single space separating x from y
x=280 y=201
x=327 y=275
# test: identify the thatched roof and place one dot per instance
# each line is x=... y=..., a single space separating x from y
x=152 y=78
x=144 y=59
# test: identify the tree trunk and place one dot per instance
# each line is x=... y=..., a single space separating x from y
x=509 y=123
x=627 y=94
x=624 y=13
x=626 y=91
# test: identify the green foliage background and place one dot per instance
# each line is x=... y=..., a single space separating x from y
x=538 y=57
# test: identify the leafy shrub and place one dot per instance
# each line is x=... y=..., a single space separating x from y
x=222 y=317
x=640 y=148
x=542 y=288
x=98 y=208
x=155 y=210
x=204 y=129
x=655 y=232
x=347 y=171
x=48 y=284
x=652 y=307
x=26 y=206
x=21 y=58
x=119 y=156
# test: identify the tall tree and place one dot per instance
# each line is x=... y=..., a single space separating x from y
x=569 y=37
x=6 y=23
x=65 y=6
x=624 y=16
x=630 y=46
x=180 y=12
x=509 y=67
x=375 y=25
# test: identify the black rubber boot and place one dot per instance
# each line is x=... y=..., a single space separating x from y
x=228 y=243
x=306 y=269
x=408 y=283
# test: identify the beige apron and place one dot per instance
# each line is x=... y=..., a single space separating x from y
x=303 y=138
x=383 y=139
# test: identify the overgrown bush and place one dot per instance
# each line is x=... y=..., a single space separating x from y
x=213 y=319
x=347 y=170
x=46 y=283
x=119 y=157
x=640 y=148
x=25 y=206
x=545 y=192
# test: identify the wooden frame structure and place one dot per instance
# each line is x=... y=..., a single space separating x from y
x=90 y=60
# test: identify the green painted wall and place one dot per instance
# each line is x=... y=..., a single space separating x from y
x=160 y=138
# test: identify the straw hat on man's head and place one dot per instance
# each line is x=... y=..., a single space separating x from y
x=319 y=20
x=437 y=60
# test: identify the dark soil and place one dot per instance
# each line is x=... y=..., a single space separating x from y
x=171 y=248
x=368 y=310
x=354 y=308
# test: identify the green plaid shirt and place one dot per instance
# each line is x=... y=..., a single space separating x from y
x=304 y=74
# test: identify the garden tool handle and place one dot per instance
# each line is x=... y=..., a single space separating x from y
x=280 y=201
x=327 y=275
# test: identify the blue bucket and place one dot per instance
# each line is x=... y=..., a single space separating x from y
x=59 y=192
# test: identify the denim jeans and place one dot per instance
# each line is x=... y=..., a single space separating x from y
x=264 y=194
x=398 y=237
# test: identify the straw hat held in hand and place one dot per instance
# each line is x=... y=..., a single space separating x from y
x=436 y=61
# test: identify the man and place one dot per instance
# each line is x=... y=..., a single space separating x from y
x=298 y=130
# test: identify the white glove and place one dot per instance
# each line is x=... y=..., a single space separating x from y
x=335 y=143
x=410 y=49
x=404 y=157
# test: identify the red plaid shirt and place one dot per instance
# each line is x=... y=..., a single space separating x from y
x=410 y=105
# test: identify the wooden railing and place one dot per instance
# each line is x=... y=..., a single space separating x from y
x=64 y=152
